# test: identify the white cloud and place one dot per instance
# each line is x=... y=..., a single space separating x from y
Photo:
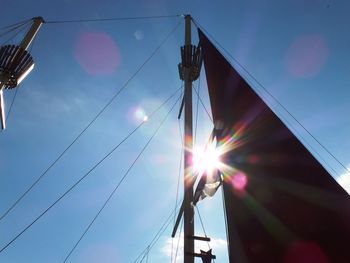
x=344 y=181
x=217 y=244
x=54 y=105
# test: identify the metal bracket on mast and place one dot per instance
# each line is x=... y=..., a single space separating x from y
x=15 y=64
x=191 y=62
x=190 y=66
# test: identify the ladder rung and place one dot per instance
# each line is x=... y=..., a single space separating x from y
x=200 y=255
x=199 y=238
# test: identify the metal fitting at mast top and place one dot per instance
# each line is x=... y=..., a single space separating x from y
x=191 y=62
x=16 y=63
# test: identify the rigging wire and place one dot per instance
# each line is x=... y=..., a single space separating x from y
x=195 y=133
x=205 y=108
x=178 y=240
x=147 y=255
x=225 y=219
x=11 y=105
x=205 y=233
x=174 y=212
x=178 y=183
x=15 y=35
x=197 y=104
x=16 y=90
x=18 y=24
x=121 y=181
x=4 y=43
x=111 y=19
x=89 y=124
x=300 y=136
x=310 y=146
x=86 y=174
x=157 y=235
x=13 y=28
x=272 y=96
x=162 y=229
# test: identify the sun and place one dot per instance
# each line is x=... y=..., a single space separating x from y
x=205 y=159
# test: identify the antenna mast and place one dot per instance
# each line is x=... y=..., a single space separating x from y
x=189 y=70
x=188 y=175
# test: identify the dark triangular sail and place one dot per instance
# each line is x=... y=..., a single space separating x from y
x=281 y=204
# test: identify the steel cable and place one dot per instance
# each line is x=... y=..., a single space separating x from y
x=84 y=176
x=88 y=126
x=120 y=182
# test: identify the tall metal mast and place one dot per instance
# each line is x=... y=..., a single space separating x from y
x=15 y=64
x=188 y=182
x=189 y=69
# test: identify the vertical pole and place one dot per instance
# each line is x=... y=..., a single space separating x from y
x=188 y=182
x=37 y=22
x=2 y=109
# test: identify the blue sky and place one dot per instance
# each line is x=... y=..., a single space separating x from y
x=298 y=49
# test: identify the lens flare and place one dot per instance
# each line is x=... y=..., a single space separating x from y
x=239 y=181
x=206 y=160
x=137 y=114
x=307 y=55
x=97 y=53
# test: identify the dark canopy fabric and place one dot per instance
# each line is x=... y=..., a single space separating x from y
x=281 y=204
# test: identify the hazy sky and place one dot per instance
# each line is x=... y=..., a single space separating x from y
x=298 y=49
